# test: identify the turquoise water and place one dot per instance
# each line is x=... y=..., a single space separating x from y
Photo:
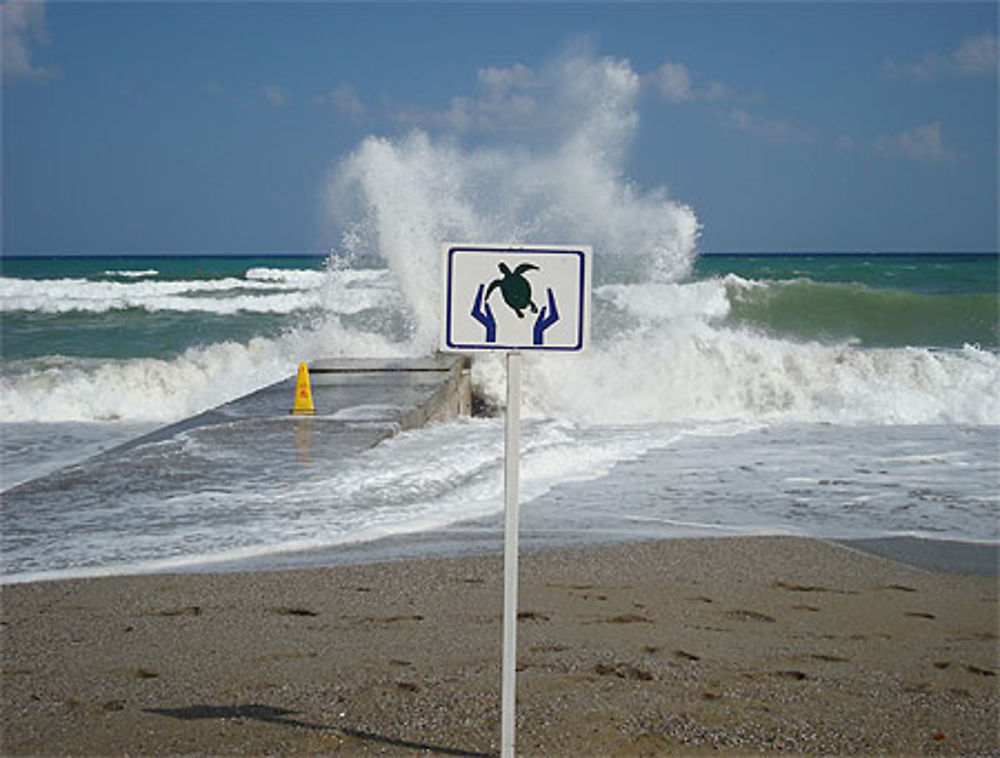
x=891 y=300
x=170 y=267
x=871 y=300
x=122 y=319
x=920 y=273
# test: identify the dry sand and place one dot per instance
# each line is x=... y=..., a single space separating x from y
x=644 y=649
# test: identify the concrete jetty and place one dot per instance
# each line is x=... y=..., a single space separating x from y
x=413 y=391
x=359 y=401
x=256 y=439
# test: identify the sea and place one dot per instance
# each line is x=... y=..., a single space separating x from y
x=839 y=396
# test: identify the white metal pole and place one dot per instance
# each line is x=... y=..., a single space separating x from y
x=511 y=497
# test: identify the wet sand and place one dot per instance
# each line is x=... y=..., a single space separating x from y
x=679 y=646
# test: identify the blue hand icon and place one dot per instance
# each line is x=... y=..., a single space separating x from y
x=482 y=313
x=547 y=316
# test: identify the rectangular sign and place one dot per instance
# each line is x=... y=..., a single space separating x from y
x=511 y=297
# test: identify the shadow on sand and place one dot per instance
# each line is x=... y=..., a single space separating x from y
x=272 y=715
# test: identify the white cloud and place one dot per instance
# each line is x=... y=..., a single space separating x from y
x=23 y=26
x=673 y=81
x=923 y=143
x=345 y=99
x=504 y=100
x=498 y=82
x=522 y=100
x=274 y=94
x=845 y=143
x=974 y=56
x=769 y=129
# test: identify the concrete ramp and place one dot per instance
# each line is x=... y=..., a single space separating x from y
x=413 y=392
x=363 y=399
x=255 y=438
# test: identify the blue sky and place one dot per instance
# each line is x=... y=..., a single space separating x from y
x=193 y=127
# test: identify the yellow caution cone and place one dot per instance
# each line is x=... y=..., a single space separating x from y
x=303 y=394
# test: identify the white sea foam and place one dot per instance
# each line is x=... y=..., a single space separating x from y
x=668 y=303
x=366 y=413
x=296 y=277
x=263 y=291
x=133 y=273
x=66 y=295
x=387 y=490
x=682 y=368
x=731 y=375
x=665 y=359
x=148 y=389
x=578 y=482
x=402 y=199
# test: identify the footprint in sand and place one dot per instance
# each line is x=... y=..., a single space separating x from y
x=796 y=587
x=829 y=658
x=796 y=676
x=744 y=615
x=291 y=611
x=531 y=616
x=623 y=671
x=190 y=610
x=981 y=672
x=686 y=656
x=628 y=618
x=391 y=619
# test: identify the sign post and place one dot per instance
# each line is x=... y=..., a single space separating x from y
x=511 y=481
x=511 y=299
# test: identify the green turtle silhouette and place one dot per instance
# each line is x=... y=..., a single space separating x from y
x=516 y=290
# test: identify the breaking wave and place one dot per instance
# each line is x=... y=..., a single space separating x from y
x=401 y=200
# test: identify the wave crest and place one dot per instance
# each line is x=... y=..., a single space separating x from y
x=148 y=389
x=696 y=372
x=403 y=199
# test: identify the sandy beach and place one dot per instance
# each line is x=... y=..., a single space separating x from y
x=744 y=645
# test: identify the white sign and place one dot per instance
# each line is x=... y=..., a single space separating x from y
x=516 y=297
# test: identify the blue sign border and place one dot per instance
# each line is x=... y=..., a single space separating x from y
x=496 y=347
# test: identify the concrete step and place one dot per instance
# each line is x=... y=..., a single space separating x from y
x=377 y=396
x=358 y=404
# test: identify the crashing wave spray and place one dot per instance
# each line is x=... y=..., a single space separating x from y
x=402 y=199
x=661 y=351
